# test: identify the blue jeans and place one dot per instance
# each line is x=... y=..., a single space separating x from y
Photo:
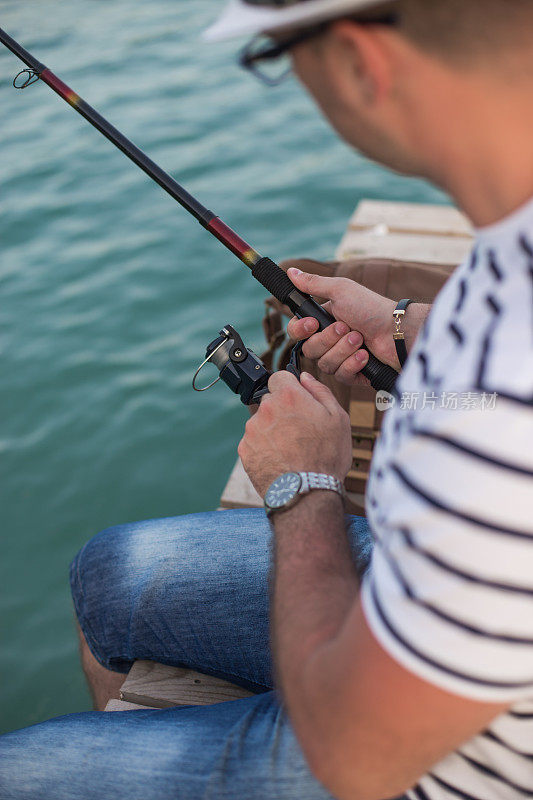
x=189 y=591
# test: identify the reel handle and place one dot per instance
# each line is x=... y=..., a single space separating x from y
x=273 y=278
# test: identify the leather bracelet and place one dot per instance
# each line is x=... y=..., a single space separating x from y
x=399 y=335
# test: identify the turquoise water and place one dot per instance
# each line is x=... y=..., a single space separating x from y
x=109 y=292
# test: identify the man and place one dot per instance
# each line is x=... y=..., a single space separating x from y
x=418 y=677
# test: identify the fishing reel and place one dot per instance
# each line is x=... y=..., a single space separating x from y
x=239 y=367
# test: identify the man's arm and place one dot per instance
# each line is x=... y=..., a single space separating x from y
x=313 y=602
x=368 y=727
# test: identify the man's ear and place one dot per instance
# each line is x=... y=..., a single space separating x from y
x=366 y=59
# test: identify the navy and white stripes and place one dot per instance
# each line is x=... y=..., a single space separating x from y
x=450 y=590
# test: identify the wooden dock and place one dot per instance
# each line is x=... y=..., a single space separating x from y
x=406 y=231
x=428 y=234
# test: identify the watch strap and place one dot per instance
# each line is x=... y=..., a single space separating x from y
x=319 y=480
x=399 y=335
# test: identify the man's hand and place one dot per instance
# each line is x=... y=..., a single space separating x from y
x=363 y=315
x=298 y=427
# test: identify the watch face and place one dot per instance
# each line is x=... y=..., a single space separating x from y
x=283 y=490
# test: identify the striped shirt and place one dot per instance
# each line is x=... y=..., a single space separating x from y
x=449 y=593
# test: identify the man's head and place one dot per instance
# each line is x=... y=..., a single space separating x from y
x=448 y=84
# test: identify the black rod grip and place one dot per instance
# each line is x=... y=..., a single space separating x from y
x=278 y=283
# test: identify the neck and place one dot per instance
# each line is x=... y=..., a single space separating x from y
x=485 y=157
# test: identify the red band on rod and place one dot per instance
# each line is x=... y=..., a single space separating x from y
x=61 y=88
x=233 y=242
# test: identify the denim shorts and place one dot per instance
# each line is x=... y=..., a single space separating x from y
x=188 y=591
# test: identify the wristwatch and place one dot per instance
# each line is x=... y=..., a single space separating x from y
x=286 y=490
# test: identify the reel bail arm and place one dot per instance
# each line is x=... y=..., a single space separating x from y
x=240 y=369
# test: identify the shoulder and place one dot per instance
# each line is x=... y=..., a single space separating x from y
x=479 y=335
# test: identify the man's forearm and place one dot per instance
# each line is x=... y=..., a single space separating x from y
x=315 y=585
x=414 y=319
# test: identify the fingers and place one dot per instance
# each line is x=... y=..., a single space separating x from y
x=282 y=381
x=337 y=349
x=349 y=370
x=331 y=348
x=346 y=347
x=284 y=385
x=299 y=329
x=314 y=284
x=319 y=344
x=320 y=392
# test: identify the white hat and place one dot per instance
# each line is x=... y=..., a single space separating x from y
x=241 y=17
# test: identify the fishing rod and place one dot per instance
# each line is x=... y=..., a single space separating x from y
x=264 y=270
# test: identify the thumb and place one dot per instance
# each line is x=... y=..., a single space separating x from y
x=320 y=392
x=316 y=285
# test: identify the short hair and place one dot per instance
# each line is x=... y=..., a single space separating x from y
x=465 y=30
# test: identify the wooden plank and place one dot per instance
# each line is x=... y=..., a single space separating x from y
x=440 y=250
x=407 y=231
x=122 y=705
x=415 y=218
x=362 y=414
x=357 y=475
x=358 y=454
x=159 y=686
x=239 y=492
x=364 y=436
